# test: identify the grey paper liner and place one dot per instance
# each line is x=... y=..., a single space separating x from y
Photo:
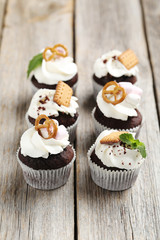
x=71 y=129
x=100 y=128
x=46 y=179
x=35 y=89
x=111 y=180
x=96 y=88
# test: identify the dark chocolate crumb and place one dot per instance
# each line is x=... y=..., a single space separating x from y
x=104 y=61
x=129 y=163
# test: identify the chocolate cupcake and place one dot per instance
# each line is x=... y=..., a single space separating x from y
x=53 y=65
x=45 y=102
x=111 y=67
x=115 y=160
x=45 y=154
x=117 y=108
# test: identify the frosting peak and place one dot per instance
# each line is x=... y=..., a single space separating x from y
x=125 y=108
x=42 y=103
x=34 y=145
x=109 y=63
x=50 y=72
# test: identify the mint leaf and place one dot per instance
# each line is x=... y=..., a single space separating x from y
x=126 y=138
x=142 y=150
x=35 y=62
x=132 y=143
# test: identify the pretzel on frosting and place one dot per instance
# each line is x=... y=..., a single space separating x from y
x=115 y=92
x=55 y=52
x=48 y=124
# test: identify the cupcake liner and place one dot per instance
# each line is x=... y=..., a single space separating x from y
x=100 y=128
x=111 y=180
x=46 y=179
x=75 y=87
x=96 y=88
x=34 y=88
x=71 y=129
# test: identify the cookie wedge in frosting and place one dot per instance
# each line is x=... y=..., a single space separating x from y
x=43 y=102
x=115 y=66
x=115 y=159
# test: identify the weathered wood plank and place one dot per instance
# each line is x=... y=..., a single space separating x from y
x=151 y=19
x=2 y=14
x=135 y=213
x=26 y=213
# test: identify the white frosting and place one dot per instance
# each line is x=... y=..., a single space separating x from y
x=124 y=109
x=50 y=108
x=116 y=155
x=112 y=66
x=33 y=145
x=50 y=72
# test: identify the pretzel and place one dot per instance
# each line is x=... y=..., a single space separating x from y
x=51 y=56
x=55 y=52
x=113 y=92
x=48 y=124
x=59 y=52
x=111 y=138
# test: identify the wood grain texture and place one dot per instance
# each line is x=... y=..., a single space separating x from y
x=26 y=213
x=152 y=19
x=135 y=213
x=2 y=14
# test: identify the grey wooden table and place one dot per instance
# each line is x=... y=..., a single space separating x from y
x=79 y=210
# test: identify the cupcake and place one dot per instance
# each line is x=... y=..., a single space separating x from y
x=52 y=65
x=115 y=160
x=117 y=108
x=115 y=66
x=45 y=154
x=58 y=104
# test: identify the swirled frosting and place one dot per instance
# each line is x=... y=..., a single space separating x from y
x=124 y=109
x=61 y=69
x=108 y=63
x=117 y=155
x=33 y=145
x=42 y=103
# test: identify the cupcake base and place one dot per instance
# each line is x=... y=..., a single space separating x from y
x=46 y=179
x=100 y=127
x=111 y=180
x=36 y=85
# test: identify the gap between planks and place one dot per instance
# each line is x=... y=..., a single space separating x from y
x=3 y=11
x=149 y=58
